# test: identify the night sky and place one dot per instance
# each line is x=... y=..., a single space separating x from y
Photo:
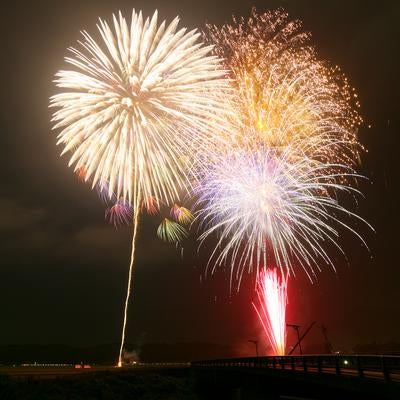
x=63 y=269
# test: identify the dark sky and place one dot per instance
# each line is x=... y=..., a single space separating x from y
x=63 y=269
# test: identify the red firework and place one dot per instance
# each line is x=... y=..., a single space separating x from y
x=271 y=308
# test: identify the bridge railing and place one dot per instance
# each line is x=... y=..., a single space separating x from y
x=364 y=366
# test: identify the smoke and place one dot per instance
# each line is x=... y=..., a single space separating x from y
x=130 y=356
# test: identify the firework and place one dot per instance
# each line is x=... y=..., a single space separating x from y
x=81 y=173
x=284 y=94
x=171 y=231
x=135 y=110
x=103 y=192
x=119 y=214
x=267 y=209
x=271 y=308
x=151 y=205
x=174 y=231
x=181 y=214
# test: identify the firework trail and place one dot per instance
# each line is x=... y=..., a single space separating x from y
x=138 y=107
x=271 y=308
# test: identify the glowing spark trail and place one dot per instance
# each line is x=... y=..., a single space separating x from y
x=271 y=309
x=136 y=111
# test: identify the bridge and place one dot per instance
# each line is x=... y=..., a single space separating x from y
x=372 y=376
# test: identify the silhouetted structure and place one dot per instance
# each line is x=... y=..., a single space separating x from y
x=328 y=348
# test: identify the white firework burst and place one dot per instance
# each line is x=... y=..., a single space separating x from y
x=267 y=210
x=138 y=106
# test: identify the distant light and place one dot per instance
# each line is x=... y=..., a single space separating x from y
x=345 y=362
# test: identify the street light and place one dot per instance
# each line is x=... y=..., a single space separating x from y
x=297 y=327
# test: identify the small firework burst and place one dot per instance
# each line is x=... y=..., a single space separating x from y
x=120 y=213
x=151 y=204
x=172 y=232
x=181 y=214
x=81 y=173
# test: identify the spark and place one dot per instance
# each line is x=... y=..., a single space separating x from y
x=271 y=308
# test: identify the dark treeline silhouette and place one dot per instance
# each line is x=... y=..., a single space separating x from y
x=106 y=354
x=152 y=352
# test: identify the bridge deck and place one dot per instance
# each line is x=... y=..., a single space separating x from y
x=375 y=367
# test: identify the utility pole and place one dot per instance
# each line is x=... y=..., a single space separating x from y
x=255 y=342
x=301 y=338
x=328 y=348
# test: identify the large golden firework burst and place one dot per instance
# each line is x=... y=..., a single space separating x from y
x=285 y=95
